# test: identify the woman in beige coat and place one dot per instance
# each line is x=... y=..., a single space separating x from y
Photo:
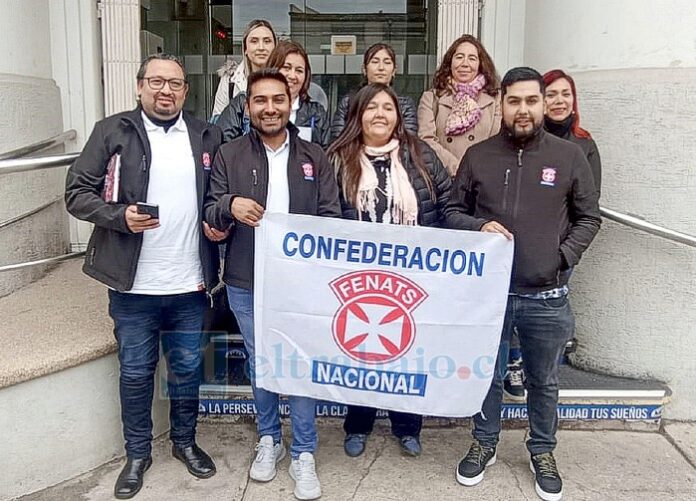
x=462 y=108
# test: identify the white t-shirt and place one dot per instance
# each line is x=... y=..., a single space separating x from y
x=169 y=259
x=278 y=199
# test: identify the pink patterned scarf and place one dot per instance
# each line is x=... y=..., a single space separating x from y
x=466 y=112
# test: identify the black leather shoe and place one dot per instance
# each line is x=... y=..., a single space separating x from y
x=197 y=462
x=130 y=480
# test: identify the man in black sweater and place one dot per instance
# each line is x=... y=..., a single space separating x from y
x=530 y=185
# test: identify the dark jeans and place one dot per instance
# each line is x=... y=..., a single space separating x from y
x=362 y=420
x=543 y=326
x=140 y=321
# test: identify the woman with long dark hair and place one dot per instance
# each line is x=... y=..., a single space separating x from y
x=306 y=114
x=386 y=175
x=462 y=108
x=379 y=66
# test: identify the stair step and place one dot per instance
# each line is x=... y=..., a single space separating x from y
x=583 y=397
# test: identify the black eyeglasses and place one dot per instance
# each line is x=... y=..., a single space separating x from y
x=157 y=83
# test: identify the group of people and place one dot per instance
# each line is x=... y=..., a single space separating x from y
x=164 y=189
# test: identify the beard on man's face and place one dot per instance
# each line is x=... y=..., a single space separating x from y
x=524 y=127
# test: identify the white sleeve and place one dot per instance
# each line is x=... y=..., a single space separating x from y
x=222 y=95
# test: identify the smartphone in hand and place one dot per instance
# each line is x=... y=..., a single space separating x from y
x=149 y=209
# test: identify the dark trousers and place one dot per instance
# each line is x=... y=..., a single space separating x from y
x=544 y=326
x=140 y=322
x=362 y=419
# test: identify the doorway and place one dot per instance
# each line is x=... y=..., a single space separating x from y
x=204 y=33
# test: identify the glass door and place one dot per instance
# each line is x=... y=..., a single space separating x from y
x=206 y=33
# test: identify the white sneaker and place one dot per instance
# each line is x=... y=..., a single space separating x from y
x=263 y=469
x=304 y=474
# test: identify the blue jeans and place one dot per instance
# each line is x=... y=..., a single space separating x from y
x=544 y=326
x=140 y=321
x=302 y=409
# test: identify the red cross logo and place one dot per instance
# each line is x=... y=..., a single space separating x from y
x=374 y=322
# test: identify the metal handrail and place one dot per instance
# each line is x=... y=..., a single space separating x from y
x=38 y=163
x=27 y=214
x=61 y=138
x=56 y=259
x=648 y=227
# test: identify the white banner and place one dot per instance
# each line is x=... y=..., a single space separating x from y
x=394 y=317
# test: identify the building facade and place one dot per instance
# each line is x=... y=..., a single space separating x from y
x=634 y=64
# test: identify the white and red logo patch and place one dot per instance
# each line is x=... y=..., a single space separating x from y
x=548 y=176
x=374 y=323
x=206 y=160
x=308 y=170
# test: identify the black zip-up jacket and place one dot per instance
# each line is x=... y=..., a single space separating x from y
x=235 y=123
x=543 y=192
x=589 y=149
x=241 y=170
x=407 y=107
x=113 y=250
x=431 y=210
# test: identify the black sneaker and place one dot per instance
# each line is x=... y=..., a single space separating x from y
x=549 y=485
x=513 y=384
x=470 y=469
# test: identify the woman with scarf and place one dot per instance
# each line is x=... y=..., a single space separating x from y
x=562 y=118
x=462 y=108
x=307 y=115
x=385 y=176
x=258 y=41
x=379 y=66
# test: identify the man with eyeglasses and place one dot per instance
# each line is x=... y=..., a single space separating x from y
x=141 y=180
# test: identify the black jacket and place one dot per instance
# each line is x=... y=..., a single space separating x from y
x=235 y=123
x=430 y=211
x=406 y=106
x=241 y=170
x=543 y=193
x=113 y=251
x=589 y=148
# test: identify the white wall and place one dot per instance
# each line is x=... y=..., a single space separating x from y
x=61 y=425
x=25 y=40
x=610 y=34
x=503 y=32
x=31 y=112
x=634 y=62
x=76 y=58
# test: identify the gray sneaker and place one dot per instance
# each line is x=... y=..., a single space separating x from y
x=303 y=472
x=268 y=454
